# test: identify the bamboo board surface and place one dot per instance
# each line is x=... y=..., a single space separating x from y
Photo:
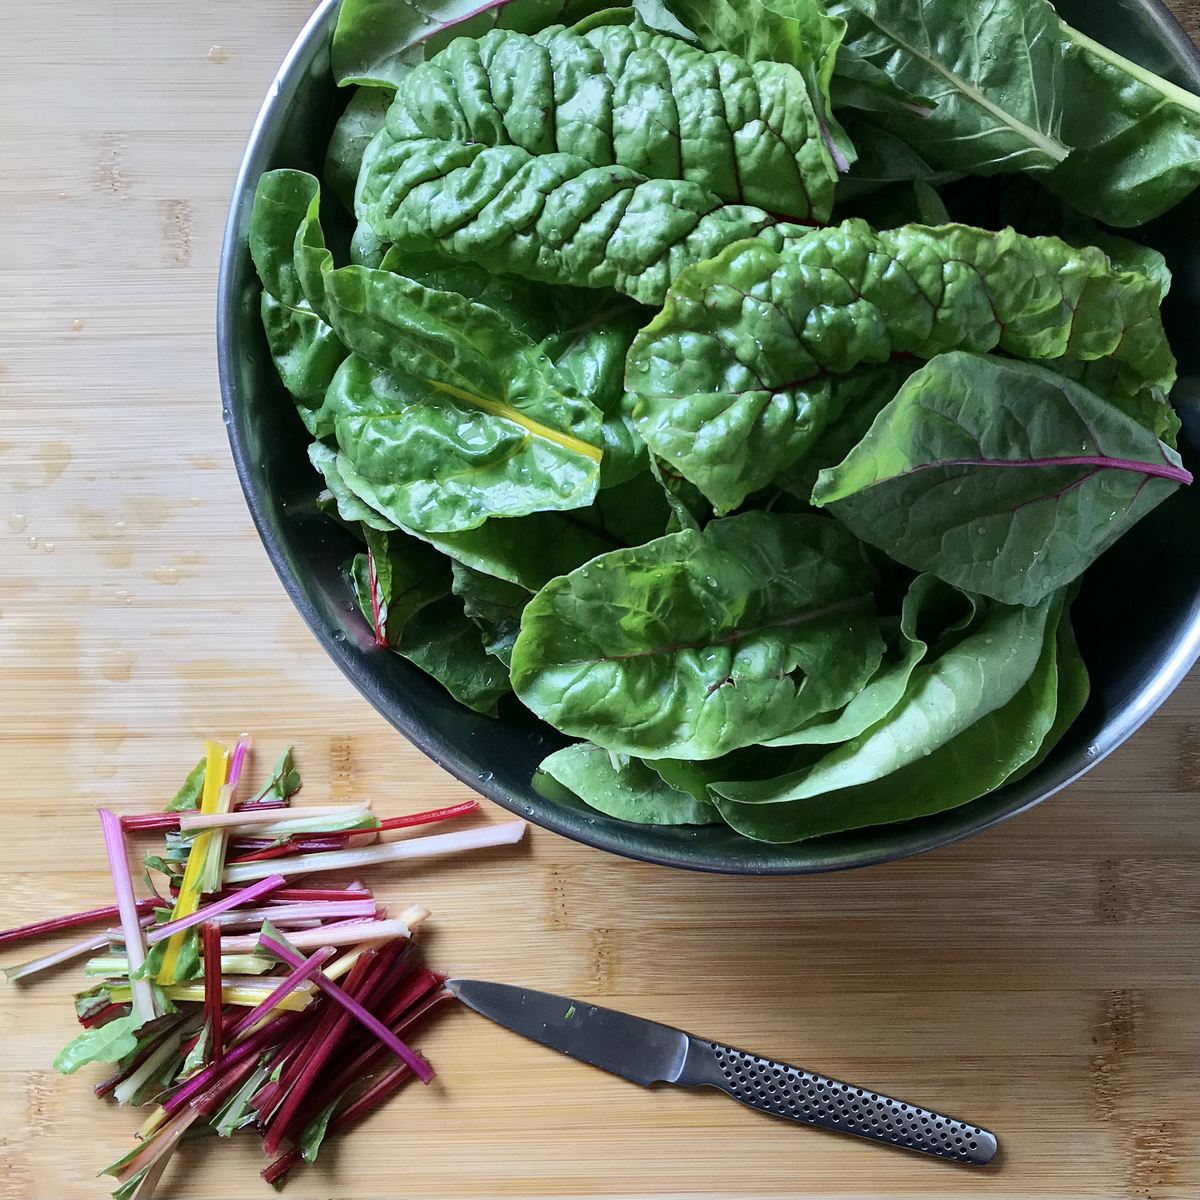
x=1042 y=979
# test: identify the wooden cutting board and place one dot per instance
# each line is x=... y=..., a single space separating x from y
x=1041 y=978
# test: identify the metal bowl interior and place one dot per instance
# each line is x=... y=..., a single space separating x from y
x=1138 y=615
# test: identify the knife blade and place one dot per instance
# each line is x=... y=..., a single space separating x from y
x=647 y=1052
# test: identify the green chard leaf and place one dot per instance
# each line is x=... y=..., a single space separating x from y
x=449 y=428
x=494 y=606
x=109 y=1042
x=745 y=366
x=999 y=477
x=668 y=155
x=445 y=644
x=188 y=796
x=697 y=643
x=283 y=782
x=1135 y=136
x=799 y=32
x=977 y=675
x=994 y=73
x=358 y=124
x=377 y=42
x=624 y=787
x=979 y=759
x=305 y=350
x=409 y=575
x=885 y=689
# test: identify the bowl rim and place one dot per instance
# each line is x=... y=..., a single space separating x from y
x=895 y=841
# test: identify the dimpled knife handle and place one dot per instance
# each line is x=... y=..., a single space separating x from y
x=788 y=1091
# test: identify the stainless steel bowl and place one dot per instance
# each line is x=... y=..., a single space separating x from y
x=1138 y=615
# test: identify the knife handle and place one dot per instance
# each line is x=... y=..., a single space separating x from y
x=788 y=1091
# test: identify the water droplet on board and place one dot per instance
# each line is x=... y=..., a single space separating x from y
x=166 y=574
x=33 y=543
x=17 y=521
x=48 y=547
x=76 y=325
x=218 y=54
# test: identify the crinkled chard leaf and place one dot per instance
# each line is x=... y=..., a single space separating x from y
x=305 y=350
x=1135 y=137
x=977 y=675
x=452 y=427
x=999 y=477
x=799 y=32
x=988 y=751
x=697 y=643
x=664 y=156
x=624 y=787
x=993 y=71
x=741 y=371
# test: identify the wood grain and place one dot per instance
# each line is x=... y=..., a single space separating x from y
x=1041 y=978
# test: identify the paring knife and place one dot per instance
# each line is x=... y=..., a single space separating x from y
x=646 y=1052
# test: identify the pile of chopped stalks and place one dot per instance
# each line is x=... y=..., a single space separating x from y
x=241 y=1002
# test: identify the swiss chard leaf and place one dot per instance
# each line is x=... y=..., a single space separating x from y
x=188 y=796
x=979 y=759
x=305 y=350
x=994 y=73
x=450 y=429
x=495 y=607
x=999 y=477
x=945 y=697
x=1135 y=136
x=799 y=32
x=624 y=787
x=408 y=576
x=358 y=124
x=743 y=131
x=619 y=184
x=592 y=356
x=109 y=1042
x=377 y=42
x=884 y=691
x=740 y=373
x=284 y=781
x=697 y=643
x=445 y=644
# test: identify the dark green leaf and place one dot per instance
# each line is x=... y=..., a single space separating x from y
x=448 y=427
x=284 y=781
x=409 y=576
x=697 y=643
x=443 y=643
x=999 y=477
x=494 y=605
x=884 y=691
x=305 y=350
